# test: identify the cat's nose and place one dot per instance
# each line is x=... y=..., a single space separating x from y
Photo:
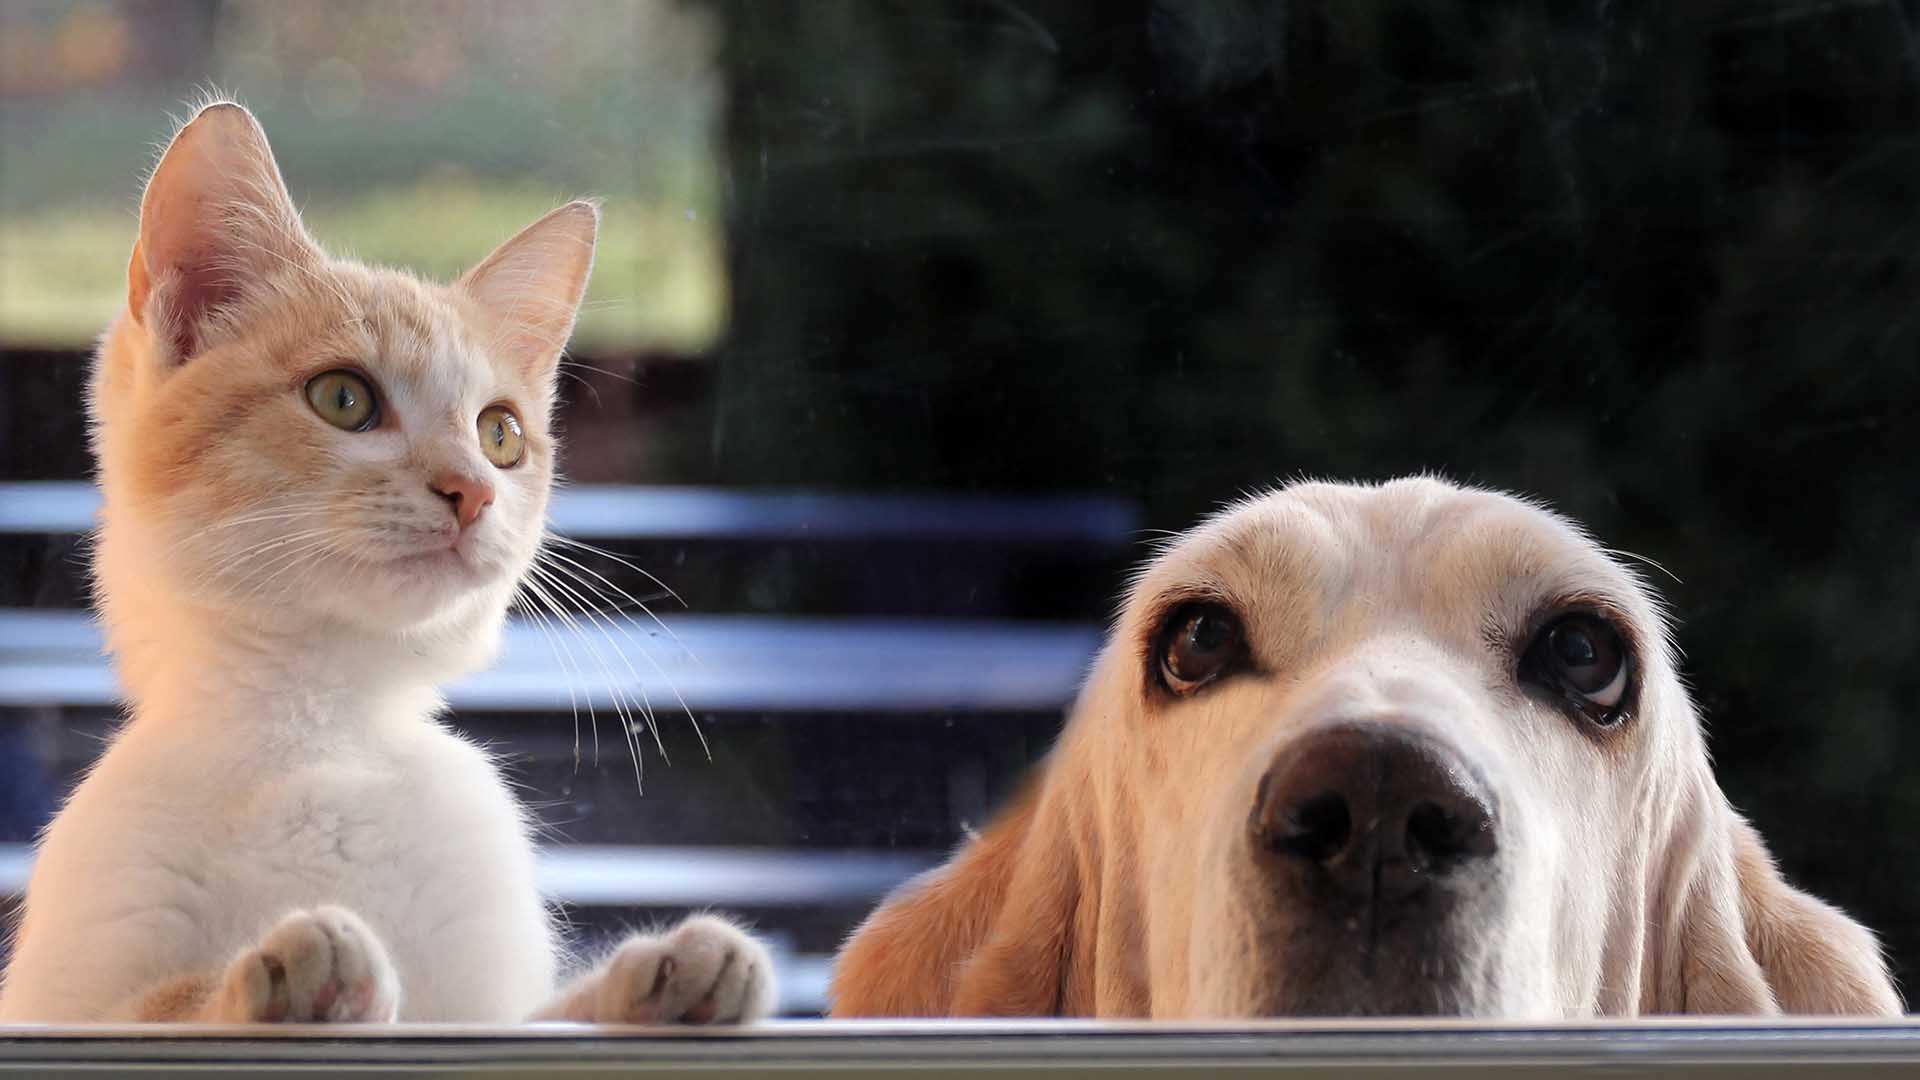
x=467 y=495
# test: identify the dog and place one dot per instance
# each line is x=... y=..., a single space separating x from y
x=1409 y=749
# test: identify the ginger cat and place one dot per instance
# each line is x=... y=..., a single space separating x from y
x=323 y=485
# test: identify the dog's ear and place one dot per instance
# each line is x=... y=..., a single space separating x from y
x=1749 y=943
x=1816 y=959
x=986 y=934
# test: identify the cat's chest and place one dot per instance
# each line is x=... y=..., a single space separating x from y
x=329 y=820
x=372 y=809
x=402 y=823
x=424 y=841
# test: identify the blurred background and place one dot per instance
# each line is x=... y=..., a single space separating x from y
x=913 y=318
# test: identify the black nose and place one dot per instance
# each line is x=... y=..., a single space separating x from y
x=1376 y=806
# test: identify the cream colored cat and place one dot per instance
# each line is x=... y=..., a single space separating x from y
x=323 y=484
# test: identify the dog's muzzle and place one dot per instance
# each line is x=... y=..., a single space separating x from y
x=1378 y=812
x=1375 y=852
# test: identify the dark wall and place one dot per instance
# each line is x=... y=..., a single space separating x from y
x=1652 y=261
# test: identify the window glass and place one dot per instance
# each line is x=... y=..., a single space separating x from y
x=913 y=328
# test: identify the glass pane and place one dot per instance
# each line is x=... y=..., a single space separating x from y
x=914 y=329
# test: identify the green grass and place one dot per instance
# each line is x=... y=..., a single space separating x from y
x=658 y=283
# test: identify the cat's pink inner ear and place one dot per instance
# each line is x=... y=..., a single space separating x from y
x=530 y=288
x=215 y=217
x=195 y=289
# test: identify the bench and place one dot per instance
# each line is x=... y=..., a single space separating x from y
x=788 y=671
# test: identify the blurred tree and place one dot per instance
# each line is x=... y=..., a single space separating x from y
x=173 y=36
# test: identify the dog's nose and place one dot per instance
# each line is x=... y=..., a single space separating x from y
x=1376 y=806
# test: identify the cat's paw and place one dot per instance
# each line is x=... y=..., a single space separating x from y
x=319 y=965
x=704 y=971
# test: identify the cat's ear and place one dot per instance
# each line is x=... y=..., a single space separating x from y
x=215 y=218
x=531 y=286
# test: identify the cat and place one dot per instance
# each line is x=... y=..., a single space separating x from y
x=322 y=486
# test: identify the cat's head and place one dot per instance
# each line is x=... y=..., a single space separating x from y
x=310 y=443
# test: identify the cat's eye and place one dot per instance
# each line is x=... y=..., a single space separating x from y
x=344 y=400
x=501 y=437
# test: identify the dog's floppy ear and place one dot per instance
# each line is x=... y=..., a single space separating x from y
x=1816 y=959
x=1746 y=942
x=986 y=934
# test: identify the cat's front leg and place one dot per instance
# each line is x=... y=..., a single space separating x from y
x=318 y=965
x=706 y=970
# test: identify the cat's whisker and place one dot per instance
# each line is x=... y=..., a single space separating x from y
x=224 y=552
x=283 y=514
x=570 y=362
x=527 y=602
x=645 y=705
x=660 y=670
x=578 y=545
x=283 y=539
x=302 y=561
x=308 y=552
x=595 y=619
x=636 y=601
x=244 y=561
x=548 y=574
x=209 y=535
x=590 y=388
x=614 y=692
x=647 y=654
x=245 y=557
x=545 y=599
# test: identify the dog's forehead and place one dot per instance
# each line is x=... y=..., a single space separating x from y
x=1417 y=544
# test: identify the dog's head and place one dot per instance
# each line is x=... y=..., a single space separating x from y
x=1394 y=750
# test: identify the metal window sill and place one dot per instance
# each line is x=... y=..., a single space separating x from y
x=816 y=1048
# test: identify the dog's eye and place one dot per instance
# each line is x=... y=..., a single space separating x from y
x=1199 y=642
x=1584 y=658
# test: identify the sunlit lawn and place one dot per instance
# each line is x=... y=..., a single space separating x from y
x=658 y=280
